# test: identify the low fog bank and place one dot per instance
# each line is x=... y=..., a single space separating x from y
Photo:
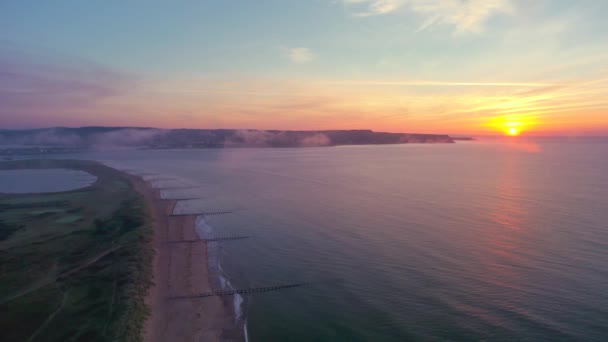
x=96 y=138
x=104 y=138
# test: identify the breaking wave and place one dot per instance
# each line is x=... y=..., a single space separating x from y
x=218 y=277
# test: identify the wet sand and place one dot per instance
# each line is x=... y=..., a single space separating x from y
x=180 y=269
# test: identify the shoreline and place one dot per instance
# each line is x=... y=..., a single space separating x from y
x=179 y=269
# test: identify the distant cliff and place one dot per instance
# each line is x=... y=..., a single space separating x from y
x=137 y=137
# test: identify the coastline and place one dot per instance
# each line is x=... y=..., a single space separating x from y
x=179 y=269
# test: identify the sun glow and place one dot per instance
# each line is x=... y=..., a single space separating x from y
x=512 y=131
x=512 y=125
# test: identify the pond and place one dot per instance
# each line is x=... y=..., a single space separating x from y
x=43 y=180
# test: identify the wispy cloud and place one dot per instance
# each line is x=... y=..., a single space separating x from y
x=441 y=83
x=463 y=15
x=35 y=87
x=300 y=55
x=38 y=92
x=406 y=105
x=375 y=7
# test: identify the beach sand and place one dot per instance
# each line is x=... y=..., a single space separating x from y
x=181 y=269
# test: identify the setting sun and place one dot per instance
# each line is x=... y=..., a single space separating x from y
x=511 y=125
x=512 y=131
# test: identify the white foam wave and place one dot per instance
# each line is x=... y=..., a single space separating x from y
x=245 y=333
x=205 y=231
x=238 y=306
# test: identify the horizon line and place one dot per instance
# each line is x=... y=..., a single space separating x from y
x=452 y=135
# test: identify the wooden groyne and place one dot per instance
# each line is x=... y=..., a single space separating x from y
x=160 y=179
x=209 y=240
x=240 y=291
x=175 y=187
x=211 y=213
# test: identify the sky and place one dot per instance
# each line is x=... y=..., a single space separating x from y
x=537 y=67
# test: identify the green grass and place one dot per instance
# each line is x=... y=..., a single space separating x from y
x=48 y=289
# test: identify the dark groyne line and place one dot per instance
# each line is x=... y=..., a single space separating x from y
x=241 y=291
x=212 y=213
x=176 y=187
x=133 y=171
x=142 y=175
x=229 y=238
x=159 y=179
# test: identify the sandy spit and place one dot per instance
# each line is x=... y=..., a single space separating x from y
x=181 y=269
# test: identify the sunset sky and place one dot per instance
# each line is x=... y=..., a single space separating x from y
x=428 y=66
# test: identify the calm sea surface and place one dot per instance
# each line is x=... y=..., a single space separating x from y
x=469 y=241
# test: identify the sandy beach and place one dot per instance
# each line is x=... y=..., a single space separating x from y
x=181 y=269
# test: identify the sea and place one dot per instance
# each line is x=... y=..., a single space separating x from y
x=498 y=240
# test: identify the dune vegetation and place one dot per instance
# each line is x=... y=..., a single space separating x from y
x=76 y=265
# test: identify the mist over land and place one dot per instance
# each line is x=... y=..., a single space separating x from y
x=96 y=138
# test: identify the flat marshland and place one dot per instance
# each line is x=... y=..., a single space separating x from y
x=74 y=265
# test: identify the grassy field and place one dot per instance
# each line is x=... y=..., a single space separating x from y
x=74 y=266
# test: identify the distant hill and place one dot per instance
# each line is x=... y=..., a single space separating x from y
x=141 y=137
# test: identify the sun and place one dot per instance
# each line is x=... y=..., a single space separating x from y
x=511 y=125
x=513 y=131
